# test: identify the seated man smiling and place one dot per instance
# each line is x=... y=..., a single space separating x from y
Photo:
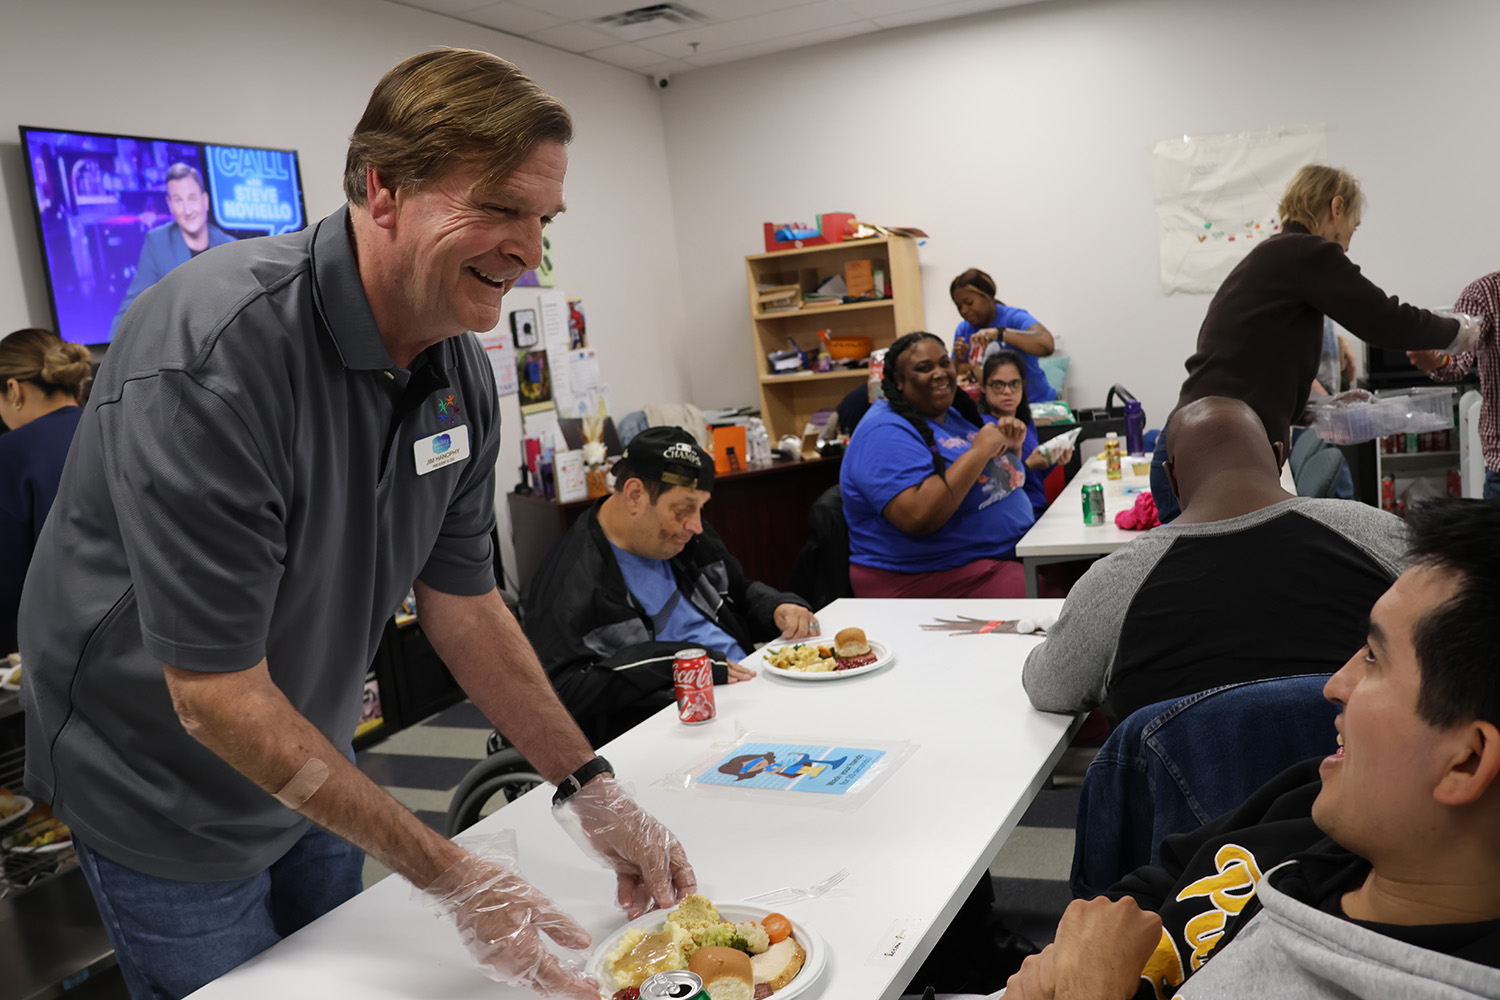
x=639 y=577
x=1370 y=873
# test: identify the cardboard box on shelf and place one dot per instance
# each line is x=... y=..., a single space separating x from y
x=859 y=277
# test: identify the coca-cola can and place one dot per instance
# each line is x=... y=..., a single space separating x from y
x=1387 y=492
x=1455 y=483
x=693 y=683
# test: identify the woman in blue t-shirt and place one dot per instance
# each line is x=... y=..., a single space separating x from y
x=987 y=320
x=41 y=375
x=1004 y=395
x=931 y=492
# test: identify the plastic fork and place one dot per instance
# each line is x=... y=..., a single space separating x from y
x=788 y=894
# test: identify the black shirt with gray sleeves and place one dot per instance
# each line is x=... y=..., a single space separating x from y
x=254 y=478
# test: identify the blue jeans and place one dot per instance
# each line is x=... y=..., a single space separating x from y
x=1167 y=507
x=1159 y=772
x=172 y=937
x=1491 y=484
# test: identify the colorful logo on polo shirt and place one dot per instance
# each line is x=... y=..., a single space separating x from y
x=447 y=407
x=441 y=443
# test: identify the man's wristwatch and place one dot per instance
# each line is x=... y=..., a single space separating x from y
x=579 y=778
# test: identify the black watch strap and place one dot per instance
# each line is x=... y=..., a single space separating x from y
x=589 y=771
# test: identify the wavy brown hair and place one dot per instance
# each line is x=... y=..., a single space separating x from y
x=448 y=108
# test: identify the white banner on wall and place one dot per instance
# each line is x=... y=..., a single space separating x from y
x=1217 y=197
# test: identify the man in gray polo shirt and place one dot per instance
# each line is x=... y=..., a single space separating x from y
x=286 y=433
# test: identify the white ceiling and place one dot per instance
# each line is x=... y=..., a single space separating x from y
x=709 y=32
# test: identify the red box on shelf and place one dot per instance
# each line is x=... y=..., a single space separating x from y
x=832 y=228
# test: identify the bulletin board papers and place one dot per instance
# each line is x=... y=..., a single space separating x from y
x=1217 y=198
x=577 y=388
x=501 y=354
x=839 y=773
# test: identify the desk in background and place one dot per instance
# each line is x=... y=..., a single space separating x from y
x=914 y=848
x=761 y=513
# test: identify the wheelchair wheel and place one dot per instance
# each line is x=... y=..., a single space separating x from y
x=505 y=775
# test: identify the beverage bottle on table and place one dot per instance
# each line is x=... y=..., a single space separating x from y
x=1112 y=455
x=1135 y=428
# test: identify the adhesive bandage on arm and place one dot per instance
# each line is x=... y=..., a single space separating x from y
x=295 y=793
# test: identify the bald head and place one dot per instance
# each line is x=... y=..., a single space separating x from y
x=1217 y=444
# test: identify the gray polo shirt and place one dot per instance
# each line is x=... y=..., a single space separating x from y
x=253 y=478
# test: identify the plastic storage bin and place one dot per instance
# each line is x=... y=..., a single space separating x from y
x=1394 y=411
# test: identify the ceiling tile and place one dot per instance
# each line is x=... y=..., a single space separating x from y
x=587 y=10
x=731 y=10
x=751 y=30
x=511 y=17
x=626 y=56
x=575 y=36
x=450 y=7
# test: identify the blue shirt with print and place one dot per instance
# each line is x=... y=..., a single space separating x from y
x=1036 y=487
x=887 y=455
x=1038 y=389
x=652 y=583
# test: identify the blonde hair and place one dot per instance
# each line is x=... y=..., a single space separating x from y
x=45 y=360
x=448 y=108
x=1313 y=188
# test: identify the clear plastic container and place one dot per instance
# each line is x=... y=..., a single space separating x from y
x=1351 y=418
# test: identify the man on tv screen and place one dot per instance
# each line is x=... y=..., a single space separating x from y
x=189 y=234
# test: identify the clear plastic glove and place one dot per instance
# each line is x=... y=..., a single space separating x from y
x=499 y=915
x=1470 y=329
x=650 y=863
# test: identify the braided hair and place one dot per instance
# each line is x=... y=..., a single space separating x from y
x=899 y=404
x=1023 y=410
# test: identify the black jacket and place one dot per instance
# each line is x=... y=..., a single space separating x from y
x=598 y=644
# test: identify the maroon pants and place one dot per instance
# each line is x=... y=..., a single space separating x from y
x=980 y=578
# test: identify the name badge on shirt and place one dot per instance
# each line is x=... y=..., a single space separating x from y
x=442 y=449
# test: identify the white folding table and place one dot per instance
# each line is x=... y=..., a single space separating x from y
x=914 y=848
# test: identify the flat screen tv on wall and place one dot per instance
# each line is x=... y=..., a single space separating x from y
x=116 y=212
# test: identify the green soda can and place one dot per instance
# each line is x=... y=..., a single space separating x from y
x=1093 y=503
x=674 y=986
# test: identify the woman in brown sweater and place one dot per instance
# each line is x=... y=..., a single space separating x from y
x=1263 y=334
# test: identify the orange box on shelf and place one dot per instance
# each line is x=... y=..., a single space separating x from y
x=859 y=276
x=727 y=439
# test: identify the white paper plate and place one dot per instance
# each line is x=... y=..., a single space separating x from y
x=812 y=966
x=17 y=818
x=6 y=675
x=883 y=656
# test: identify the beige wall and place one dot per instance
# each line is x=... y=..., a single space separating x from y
x=1020 y=140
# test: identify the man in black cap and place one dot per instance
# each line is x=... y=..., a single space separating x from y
x=641 y=576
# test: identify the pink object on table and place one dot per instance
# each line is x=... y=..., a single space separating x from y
x=1140 y=517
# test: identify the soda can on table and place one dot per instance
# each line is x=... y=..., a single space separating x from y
x=693 y=683
x=681 y=985
x=1093 y=503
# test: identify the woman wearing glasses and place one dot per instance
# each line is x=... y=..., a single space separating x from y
x=1004 y=395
